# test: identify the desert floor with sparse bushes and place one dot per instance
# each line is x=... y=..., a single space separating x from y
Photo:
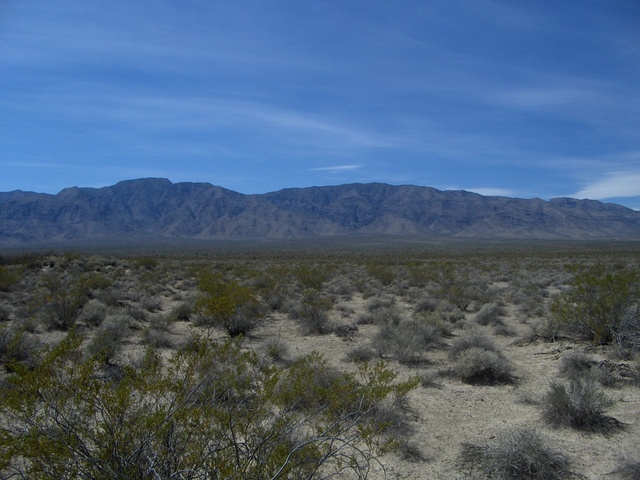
x=524 y=358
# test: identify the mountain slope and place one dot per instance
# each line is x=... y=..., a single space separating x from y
x=159 y=208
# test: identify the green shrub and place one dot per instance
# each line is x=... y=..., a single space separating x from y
x=517 y=454
x=383 y=273
x=63 y=301
x=580 y=405
x=146 y=262
x=7 y=278
x=229 y=305
x=600 y=304
x=312 y=313
x=453 y=285
x=312 y=276
x=95 y=281
x=214 y=411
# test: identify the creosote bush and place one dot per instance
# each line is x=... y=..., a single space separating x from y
x=229 y=305
x=214 y=411
x=601 y=305
x=7 y=278
x=516 y=454
x=311 y=313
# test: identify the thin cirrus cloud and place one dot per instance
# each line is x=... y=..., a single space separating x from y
x=613 y=185
x=491 y=192
x=336 y=169
x=488 y=93
x=541 y=98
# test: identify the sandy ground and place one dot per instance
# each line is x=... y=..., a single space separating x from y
x=450 y=412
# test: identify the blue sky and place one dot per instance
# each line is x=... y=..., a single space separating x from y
x=502 y=97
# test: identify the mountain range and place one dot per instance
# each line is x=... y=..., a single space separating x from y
x=158 y=208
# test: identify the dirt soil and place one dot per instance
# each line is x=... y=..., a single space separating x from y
x=448 y=412
x=445 y=412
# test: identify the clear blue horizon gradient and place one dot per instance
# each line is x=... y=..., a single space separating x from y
x=514 y=98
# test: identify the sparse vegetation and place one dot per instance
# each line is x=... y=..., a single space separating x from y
x=303 y=332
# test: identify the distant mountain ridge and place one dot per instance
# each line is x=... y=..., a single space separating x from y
x=159 y=208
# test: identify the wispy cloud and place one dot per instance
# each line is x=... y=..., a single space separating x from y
x=423 y=93
x=541 y=98
x=337 y=168
x=613 y=185
x=491 y=192
x=486 y=191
